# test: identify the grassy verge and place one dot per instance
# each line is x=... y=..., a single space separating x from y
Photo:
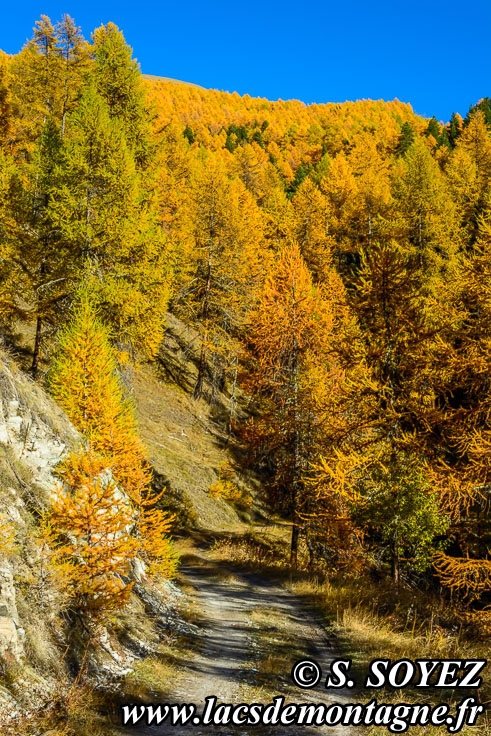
x=372 y=621
x=152 y=677
x=369 y=620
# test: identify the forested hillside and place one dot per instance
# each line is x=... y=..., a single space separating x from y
x=333 y=263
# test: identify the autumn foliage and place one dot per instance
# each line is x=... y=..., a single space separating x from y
x=331 y=261
x=106 y=502
x=88 y=530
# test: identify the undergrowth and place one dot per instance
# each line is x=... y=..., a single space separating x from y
x=75 y=712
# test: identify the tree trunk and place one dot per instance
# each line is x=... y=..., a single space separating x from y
x=311 y=551
x=37 y=347
x=294 y=543
x=296 y=429
x=395 y=564
x=63 y=118
x=198 y=389
x=65 y=91
x=420 y=237
x=232 y=397
x=88 y=239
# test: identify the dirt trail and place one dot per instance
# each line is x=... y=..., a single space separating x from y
x=249 y=626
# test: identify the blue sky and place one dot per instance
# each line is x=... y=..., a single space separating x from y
x=435 y=56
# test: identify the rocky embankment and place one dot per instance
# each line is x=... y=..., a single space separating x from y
x=39 y=647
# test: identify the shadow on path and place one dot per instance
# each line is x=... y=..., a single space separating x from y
x=225 y=653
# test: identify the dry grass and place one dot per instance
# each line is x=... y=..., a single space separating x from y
x=374 y=621
x=153 y=677
x=369 y=620
x=187 y=449
x=69 y=712
x=383 y=621
x=253 y=551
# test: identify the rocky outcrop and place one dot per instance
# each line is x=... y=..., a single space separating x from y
x=34 y=435
x=31 y=440
x=11 y=632
x=32 y=426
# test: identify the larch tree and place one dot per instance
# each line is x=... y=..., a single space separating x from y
x=340 y=187
x=87 y=530
x=373 y=196
x=312 y=228
x=279 y=217
x=85 y=382
x=426 y=220
x=464 y=474
x=249 y=165
x=223 y=262
x=283 y=347
x=469 y=173
x=119 y=82
x=110 y=224
x=6 y=111
x=36 y=81
x=45 y=79
x=40 y=270
x=47 y=76
x=393 y=383
x=75 y=62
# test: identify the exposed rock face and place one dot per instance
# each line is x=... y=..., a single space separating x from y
x=32 y=439
x=34 y=434
x=11 y=633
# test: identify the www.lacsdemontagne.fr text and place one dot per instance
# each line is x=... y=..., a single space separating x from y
x=396 y=717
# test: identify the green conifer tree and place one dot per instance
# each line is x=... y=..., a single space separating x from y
x=406 y=138
x=444 y=139
x=433 y=129
x=40 y=270
x=119 y=82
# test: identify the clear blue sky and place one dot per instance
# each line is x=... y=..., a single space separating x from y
x=437 y=56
